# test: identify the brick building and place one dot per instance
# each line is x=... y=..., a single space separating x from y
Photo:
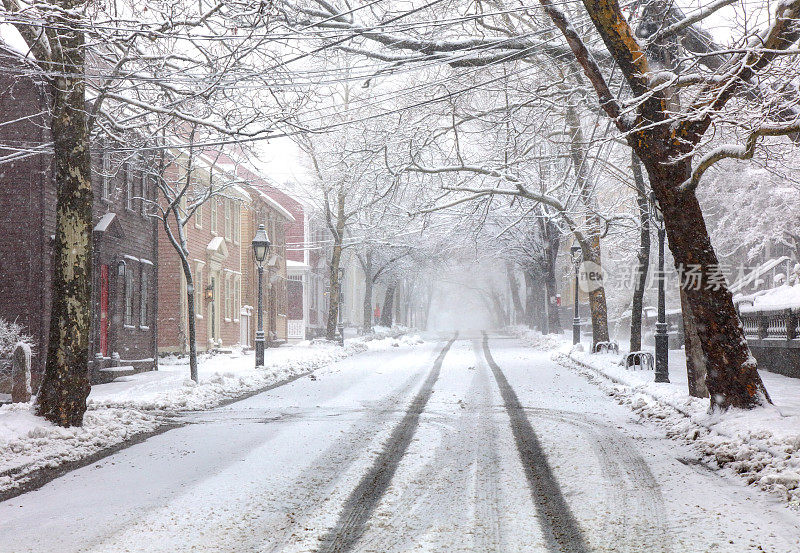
x=216 y=253
x=125 y=248
x=297 y=268
x=278 y=221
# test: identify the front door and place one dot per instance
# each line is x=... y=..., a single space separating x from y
x=104 y=310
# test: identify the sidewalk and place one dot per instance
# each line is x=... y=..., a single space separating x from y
x=136 y=406
x=762 y=445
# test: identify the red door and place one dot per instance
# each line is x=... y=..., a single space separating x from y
x=104 y=310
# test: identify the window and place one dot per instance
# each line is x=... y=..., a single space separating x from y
x=228 y=220
x=199 y=291
x=237 y=297
x=144 y=188
x=129 y=295
x=198 y=216
x=144 y=298
x=236 y=223
x=106 y=170
x=126 y=176
x=228 y=298
x=213 y=215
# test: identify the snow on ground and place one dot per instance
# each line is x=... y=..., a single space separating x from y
x=761 y=445
x=141 y=403
x=29 y=443
x=221 y=377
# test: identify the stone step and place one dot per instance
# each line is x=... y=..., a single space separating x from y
x=109 y=374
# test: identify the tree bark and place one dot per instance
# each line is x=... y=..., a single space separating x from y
x=368 y=284
x=597 y=296
x=554 y=319
x=643 y=256
x=695 y=359
x=65 y=384
x=530 y=299
x=333 y=305
x=513 y=285
x=590 y=245
x=732 y=379
x=336 y=257
x=552 y=241
x=387 y=314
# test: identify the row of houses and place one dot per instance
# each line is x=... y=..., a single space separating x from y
x=139 y=293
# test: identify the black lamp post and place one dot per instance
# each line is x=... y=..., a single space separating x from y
x=662 y=337
x=261 y=246
x=575 y=250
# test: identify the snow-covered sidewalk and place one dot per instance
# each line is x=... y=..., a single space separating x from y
x=143 y=403
x=762 y=445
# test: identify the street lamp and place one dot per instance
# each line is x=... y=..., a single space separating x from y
x=260 y=250
x=575 y=250
x=662 y=337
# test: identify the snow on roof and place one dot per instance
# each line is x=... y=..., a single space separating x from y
x=782 y=297
x=278 y=207
x=297 y=266
x=216 y=243
x=10 y=37
x=105 y=222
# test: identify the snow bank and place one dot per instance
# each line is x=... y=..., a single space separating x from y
x=761 y=445
x=536 y=339
x=29 y=443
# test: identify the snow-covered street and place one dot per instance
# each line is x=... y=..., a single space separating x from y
x=407 y=449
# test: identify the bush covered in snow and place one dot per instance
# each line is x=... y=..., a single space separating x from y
x=10 y=334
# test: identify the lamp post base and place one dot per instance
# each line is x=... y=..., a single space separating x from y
x=576 y=331
x=259 y=349
x=662 y=353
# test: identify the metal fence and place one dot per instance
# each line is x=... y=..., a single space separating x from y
x=777 y=324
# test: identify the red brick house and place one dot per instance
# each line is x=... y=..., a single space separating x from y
x=216 y=253
x=264 y=208
x=296 y=256
x=125 y=246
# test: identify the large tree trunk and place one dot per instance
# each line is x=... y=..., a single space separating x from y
x=387 y=314
x=554 y=320
x=590 y=246
x=643 y=256
x=695 y=358
x=544 y=312
x=530 y=299
x=597 y=295
x=553 y=241
x=333 y=305
x=513 y=285
x=65 y=385
x=732 y=379
x=368 y=284
x=336 y=258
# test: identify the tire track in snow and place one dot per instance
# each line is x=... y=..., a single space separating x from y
x=465 y=461
x=364 y=498
x=638 y=521
x=559 y=526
